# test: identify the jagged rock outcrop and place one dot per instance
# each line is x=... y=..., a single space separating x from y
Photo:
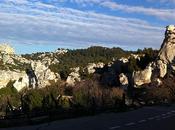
x=91 y=67
x=43 y=74
x=7 y=76
x=124 y=60
x=23 y=72
x=165 y=61
x=22 y=82
x=61 y=51
x=123 y=81
x=7 y=49
x=143 y=77
x=38 y=76
x=73 y=77
x=167 y=51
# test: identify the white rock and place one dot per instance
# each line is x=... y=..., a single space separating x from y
x=143 y=77
x=162 y=68
x=91 y=67
x=21 y=83
x=7 y=49
x=73 y=78
x=170 y=28
x=124 y=60
x=123 y=81
x=7 y=76
x=43 y=74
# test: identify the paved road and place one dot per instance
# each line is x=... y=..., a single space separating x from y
x=148 y=118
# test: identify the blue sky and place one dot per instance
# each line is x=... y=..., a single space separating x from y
x=45 y=25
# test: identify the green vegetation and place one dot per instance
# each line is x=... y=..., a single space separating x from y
x=80 y=58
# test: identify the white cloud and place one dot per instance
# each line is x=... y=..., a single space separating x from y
x=166 y=14
x=162 y=1
x=30 y=23
x=16 y=1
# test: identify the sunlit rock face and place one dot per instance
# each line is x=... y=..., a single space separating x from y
x=167 y=50
x=21 y=83
x=123 y=81
x=12 y=70
x=91 y=67
x=7 y=49
x=43 y=74
x=165 y=61
x=73 y=77
x=7 y=76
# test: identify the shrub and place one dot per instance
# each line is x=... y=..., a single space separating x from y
x=158 y=95
x=32 y=100
x=90 y=93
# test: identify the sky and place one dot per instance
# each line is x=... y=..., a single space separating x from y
x=45 y=25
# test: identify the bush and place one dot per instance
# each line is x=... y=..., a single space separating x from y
x=158 y=95
x=91 y=94
x=32 y=100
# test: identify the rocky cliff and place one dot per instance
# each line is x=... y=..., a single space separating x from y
x=23 y=72
x=165 y=61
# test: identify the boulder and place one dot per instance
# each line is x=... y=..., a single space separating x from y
x=123 y=81
x=143 y=77
x=91 y=68
x=124 y=60
x=73 y=77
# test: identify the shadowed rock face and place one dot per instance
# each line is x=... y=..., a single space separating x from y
x=165 y=61
x=143 y=77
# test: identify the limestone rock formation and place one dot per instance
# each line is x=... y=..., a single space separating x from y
x=123 y=81
x=43 y=74
x=7 y=49
x=165 y=61
x=21 y=83
x=162 y=68
x=73 y=77
x=13 y=70
x=143 y=77
x=7 y=76
x=167 y=50
x=92 y=66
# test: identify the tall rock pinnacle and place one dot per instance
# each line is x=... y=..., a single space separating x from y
x=167 y=50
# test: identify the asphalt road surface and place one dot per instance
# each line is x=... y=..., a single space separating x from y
x=147 y=118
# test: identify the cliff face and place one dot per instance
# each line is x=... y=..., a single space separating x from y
x=7 y=49
x=23 y=72
x=167 y=51
x=165 y=61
